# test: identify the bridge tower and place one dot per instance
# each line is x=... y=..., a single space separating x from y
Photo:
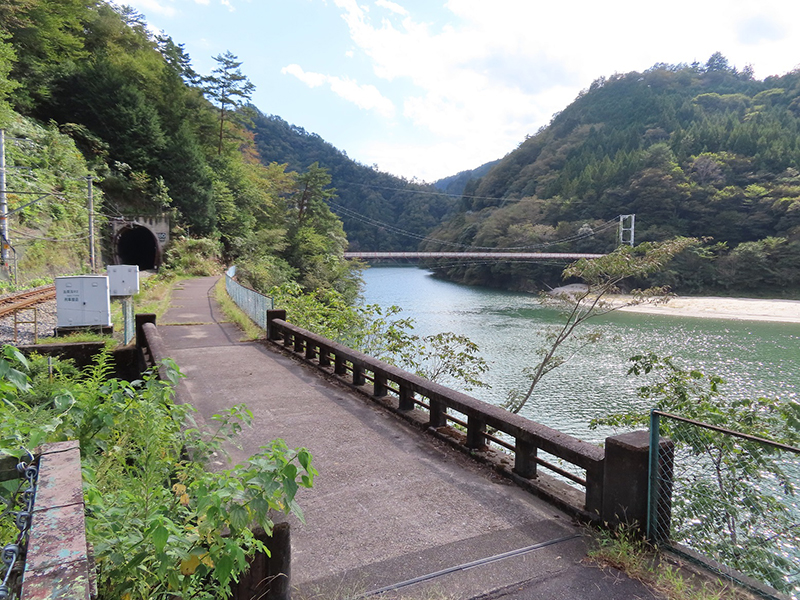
x=626 y=229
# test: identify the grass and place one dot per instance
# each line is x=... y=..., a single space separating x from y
x=155 y=294
x=622 y=549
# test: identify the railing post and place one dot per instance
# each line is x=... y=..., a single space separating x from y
x=311 y=350
x=438 y=416
x=60 y=566
x=299 y=343
x=324 y=357
x=340 y=365
x=272 y=314
x=476 y=432
x=268 y=577
x=626 y=478
x=358 y=375
x=379 y=385
x=525 y=459
x=406 y=401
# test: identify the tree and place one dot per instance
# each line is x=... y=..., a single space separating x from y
x=603 y=277
x=717 y=62
x=6 y=85
x=228 y=88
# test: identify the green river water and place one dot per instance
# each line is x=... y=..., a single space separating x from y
x=754 y=358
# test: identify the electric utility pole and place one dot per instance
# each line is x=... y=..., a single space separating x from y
x=92 y=260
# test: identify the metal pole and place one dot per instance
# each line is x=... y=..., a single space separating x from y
x=92 y=261
x=652 y=488
x=3 y=201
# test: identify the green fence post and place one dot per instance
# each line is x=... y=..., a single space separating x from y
x=652 y=491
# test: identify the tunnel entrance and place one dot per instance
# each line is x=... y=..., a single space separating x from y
x=137 y=245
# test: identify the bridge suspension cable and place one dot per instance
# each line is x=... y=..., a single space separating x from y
x=344 y=211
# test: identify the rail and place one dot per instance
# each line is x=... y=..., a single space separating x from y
x=12 y=302
x=475 y=428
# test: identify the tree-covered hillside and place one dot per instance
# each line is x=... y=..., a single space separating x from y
x=455 y=184
x=368 y=201
x=156 y=137
x=697 y=150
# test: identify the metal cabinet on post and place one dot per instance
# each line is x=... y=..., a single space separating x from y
x=83 y=302
x=124 y=285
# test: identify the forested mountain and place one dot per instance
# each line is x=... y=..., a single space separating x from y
x=367 y=200
x=455 y=184
x=696 y=150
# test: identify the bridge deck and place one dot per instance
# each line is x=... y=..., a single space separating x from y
x=389 y=504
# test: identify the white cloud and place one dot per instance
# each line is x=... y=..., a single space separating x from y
x=497 y=71
x=367 y=97
x=393 y=7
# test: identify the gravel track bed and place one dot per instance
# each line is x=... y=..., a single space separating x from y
x=46 y=324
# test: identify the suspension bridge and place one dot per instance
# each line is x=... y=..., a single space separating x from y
x=500 y=256
x=464 y=252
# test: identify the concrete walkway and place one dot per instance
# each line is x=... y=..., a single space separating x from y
x=390 y=505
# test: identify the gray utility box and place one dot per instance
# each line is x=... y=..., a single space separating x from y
x=123 y=280
x=83 y=301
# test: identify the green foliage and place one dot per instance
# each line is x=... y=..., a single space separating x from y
x=162 y=525
x=728 y=506
x=47 y=196
x=198 y=257
x=445 y=358
x=7 y=86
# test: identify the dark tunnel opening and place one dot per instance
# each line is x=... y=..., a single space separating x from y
x=138 y=246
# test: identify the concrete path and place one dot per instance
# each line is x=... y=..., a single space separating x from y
x=390 y=505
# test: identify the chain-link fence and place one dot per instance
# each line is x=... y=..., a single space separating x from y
x=731 y=498
x=255 y=305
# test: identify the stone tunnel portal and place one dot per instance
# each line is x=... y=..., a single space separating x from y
x=137 y=245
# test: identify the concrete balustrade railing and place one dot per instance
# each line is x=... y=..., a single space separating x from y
x=614 y=485
x=614 y=491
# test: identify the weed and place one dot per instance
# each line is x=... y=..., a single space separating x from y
x=623 y=548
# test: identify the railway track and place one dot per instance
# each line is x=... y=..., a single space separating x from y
x=12 y=302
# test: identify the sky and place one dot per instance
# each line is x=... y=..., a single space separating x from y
x=424 y=89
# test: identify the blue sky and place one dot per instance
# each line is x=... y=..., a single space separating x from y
x=427 y=88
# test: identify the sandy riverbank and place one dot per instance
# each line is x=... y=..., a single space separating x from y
x=741 y=309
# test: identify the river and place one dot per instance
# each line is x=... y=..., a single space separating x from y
x=754 y=358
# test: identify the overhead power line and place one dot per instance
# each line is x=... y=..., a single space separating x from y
x=425 y=192
x=370 y=221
